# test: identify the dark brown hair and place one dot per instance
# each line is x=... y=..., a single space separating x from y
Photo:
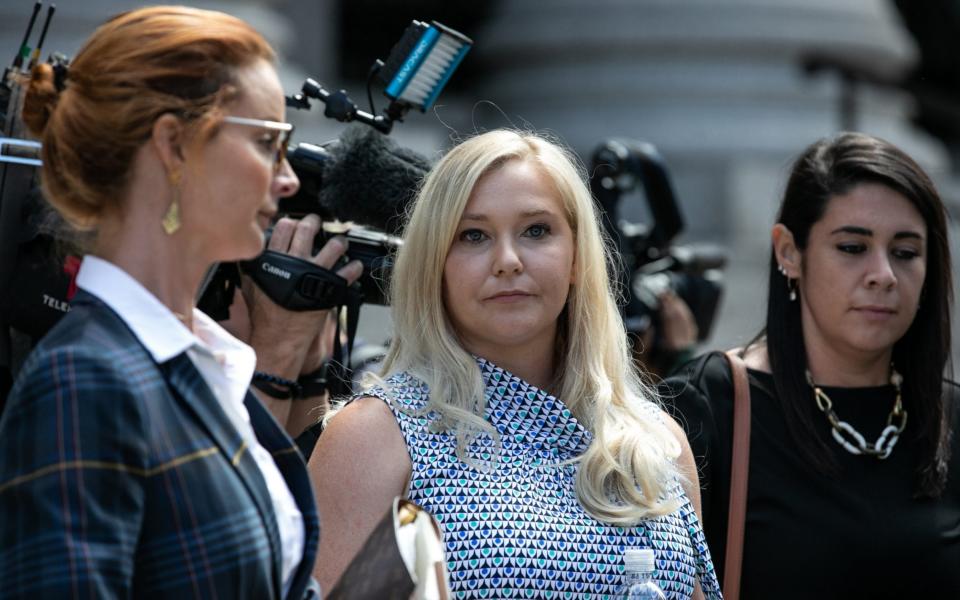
x=833 y=167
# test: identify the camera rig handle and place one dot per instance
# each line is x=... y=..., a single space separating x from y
x=299 y=285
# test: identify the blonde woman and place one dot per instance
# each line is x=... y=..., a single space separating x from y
x=509 y=408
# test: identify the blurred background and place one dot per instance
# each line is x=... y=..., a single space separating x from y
x=727 y=90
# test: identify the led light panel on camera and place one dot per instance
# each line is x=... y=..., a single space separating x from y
x=421 y=63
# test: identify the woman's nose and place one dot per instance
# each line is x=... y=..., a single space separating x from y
x=507 y=259
x=881 y=272
x=285 y=182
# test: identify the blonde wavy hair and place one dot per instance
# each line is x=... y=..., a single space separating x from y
x=626 y=473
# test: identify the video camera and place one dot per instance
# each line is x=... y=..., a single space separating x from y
x=38 y=253
x=362 y=179
x=652 y=263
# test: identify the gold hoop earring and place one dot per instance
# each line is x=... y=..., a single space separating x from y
x=171 y=219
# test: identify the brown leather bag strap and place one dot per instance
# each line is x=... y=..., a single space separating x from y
x=739 y=470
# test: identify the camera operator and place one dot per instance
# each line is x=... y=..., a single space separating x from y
x=131 y=423
x=669 y=340
x=672 y=292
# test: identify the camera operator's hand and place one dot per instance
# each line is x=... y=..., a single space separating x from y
x=291 y=343
x=679 y=328
x=285 y=339
x=660 y=351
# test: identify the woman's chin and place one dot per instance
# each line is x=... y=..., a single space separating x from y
x=249 y=249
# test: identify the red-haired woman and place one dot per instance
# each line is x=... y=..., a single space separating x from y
x=134 y=462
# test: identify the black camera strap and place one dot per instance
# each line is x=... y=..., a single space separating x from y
x=339 y=369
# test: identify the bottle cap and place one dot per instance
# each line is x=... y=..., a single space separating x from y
x=639 y=560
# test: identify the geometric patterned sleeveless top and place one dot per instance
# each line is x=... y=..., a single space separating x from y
x=518 y=531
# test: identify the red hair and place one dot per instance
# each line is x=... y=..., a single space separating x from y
x=135 y=67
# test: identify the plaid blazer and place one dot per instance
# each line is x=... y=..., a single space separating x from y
x=124 y=478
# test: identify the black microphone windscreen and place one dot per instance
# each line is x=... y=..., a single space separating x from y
x=371 y=180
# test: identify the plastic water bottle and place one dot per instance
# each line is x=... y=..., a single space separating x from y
x=638 y=572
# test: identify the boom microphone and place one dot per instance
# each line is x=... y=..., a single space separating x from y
x=364 y=177
x=370 y=180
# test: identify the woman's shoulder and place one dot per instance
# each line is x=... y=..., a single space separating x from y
x=95 y=374
x=92 y=360
x=365 y=412
x=362 y=444
x=86 y=349
x=91 y=331
x=399 y=389
x=702 y=376
x=404 y=398
x=703 y=391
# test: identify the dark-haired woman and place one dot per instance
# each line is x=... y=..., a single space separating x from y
x=854 y=488
x=134 y=462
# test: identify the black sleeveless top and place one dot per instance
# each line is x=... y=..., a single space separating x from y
x=857 y=534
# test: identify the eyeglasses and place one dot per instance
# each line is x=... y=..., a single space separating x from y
x=283 y=140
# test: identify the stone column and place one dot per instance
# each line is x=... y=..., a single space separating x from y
x=716 y=85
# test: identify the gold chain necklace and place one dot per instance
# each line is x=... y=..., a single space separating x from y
x=851 y=439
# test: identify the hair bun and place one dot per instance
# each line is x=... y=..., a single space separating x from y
x=40 y=99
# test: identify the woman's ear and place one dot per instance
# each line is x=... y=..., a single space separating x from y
x=167 y=138
x=785 y=249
